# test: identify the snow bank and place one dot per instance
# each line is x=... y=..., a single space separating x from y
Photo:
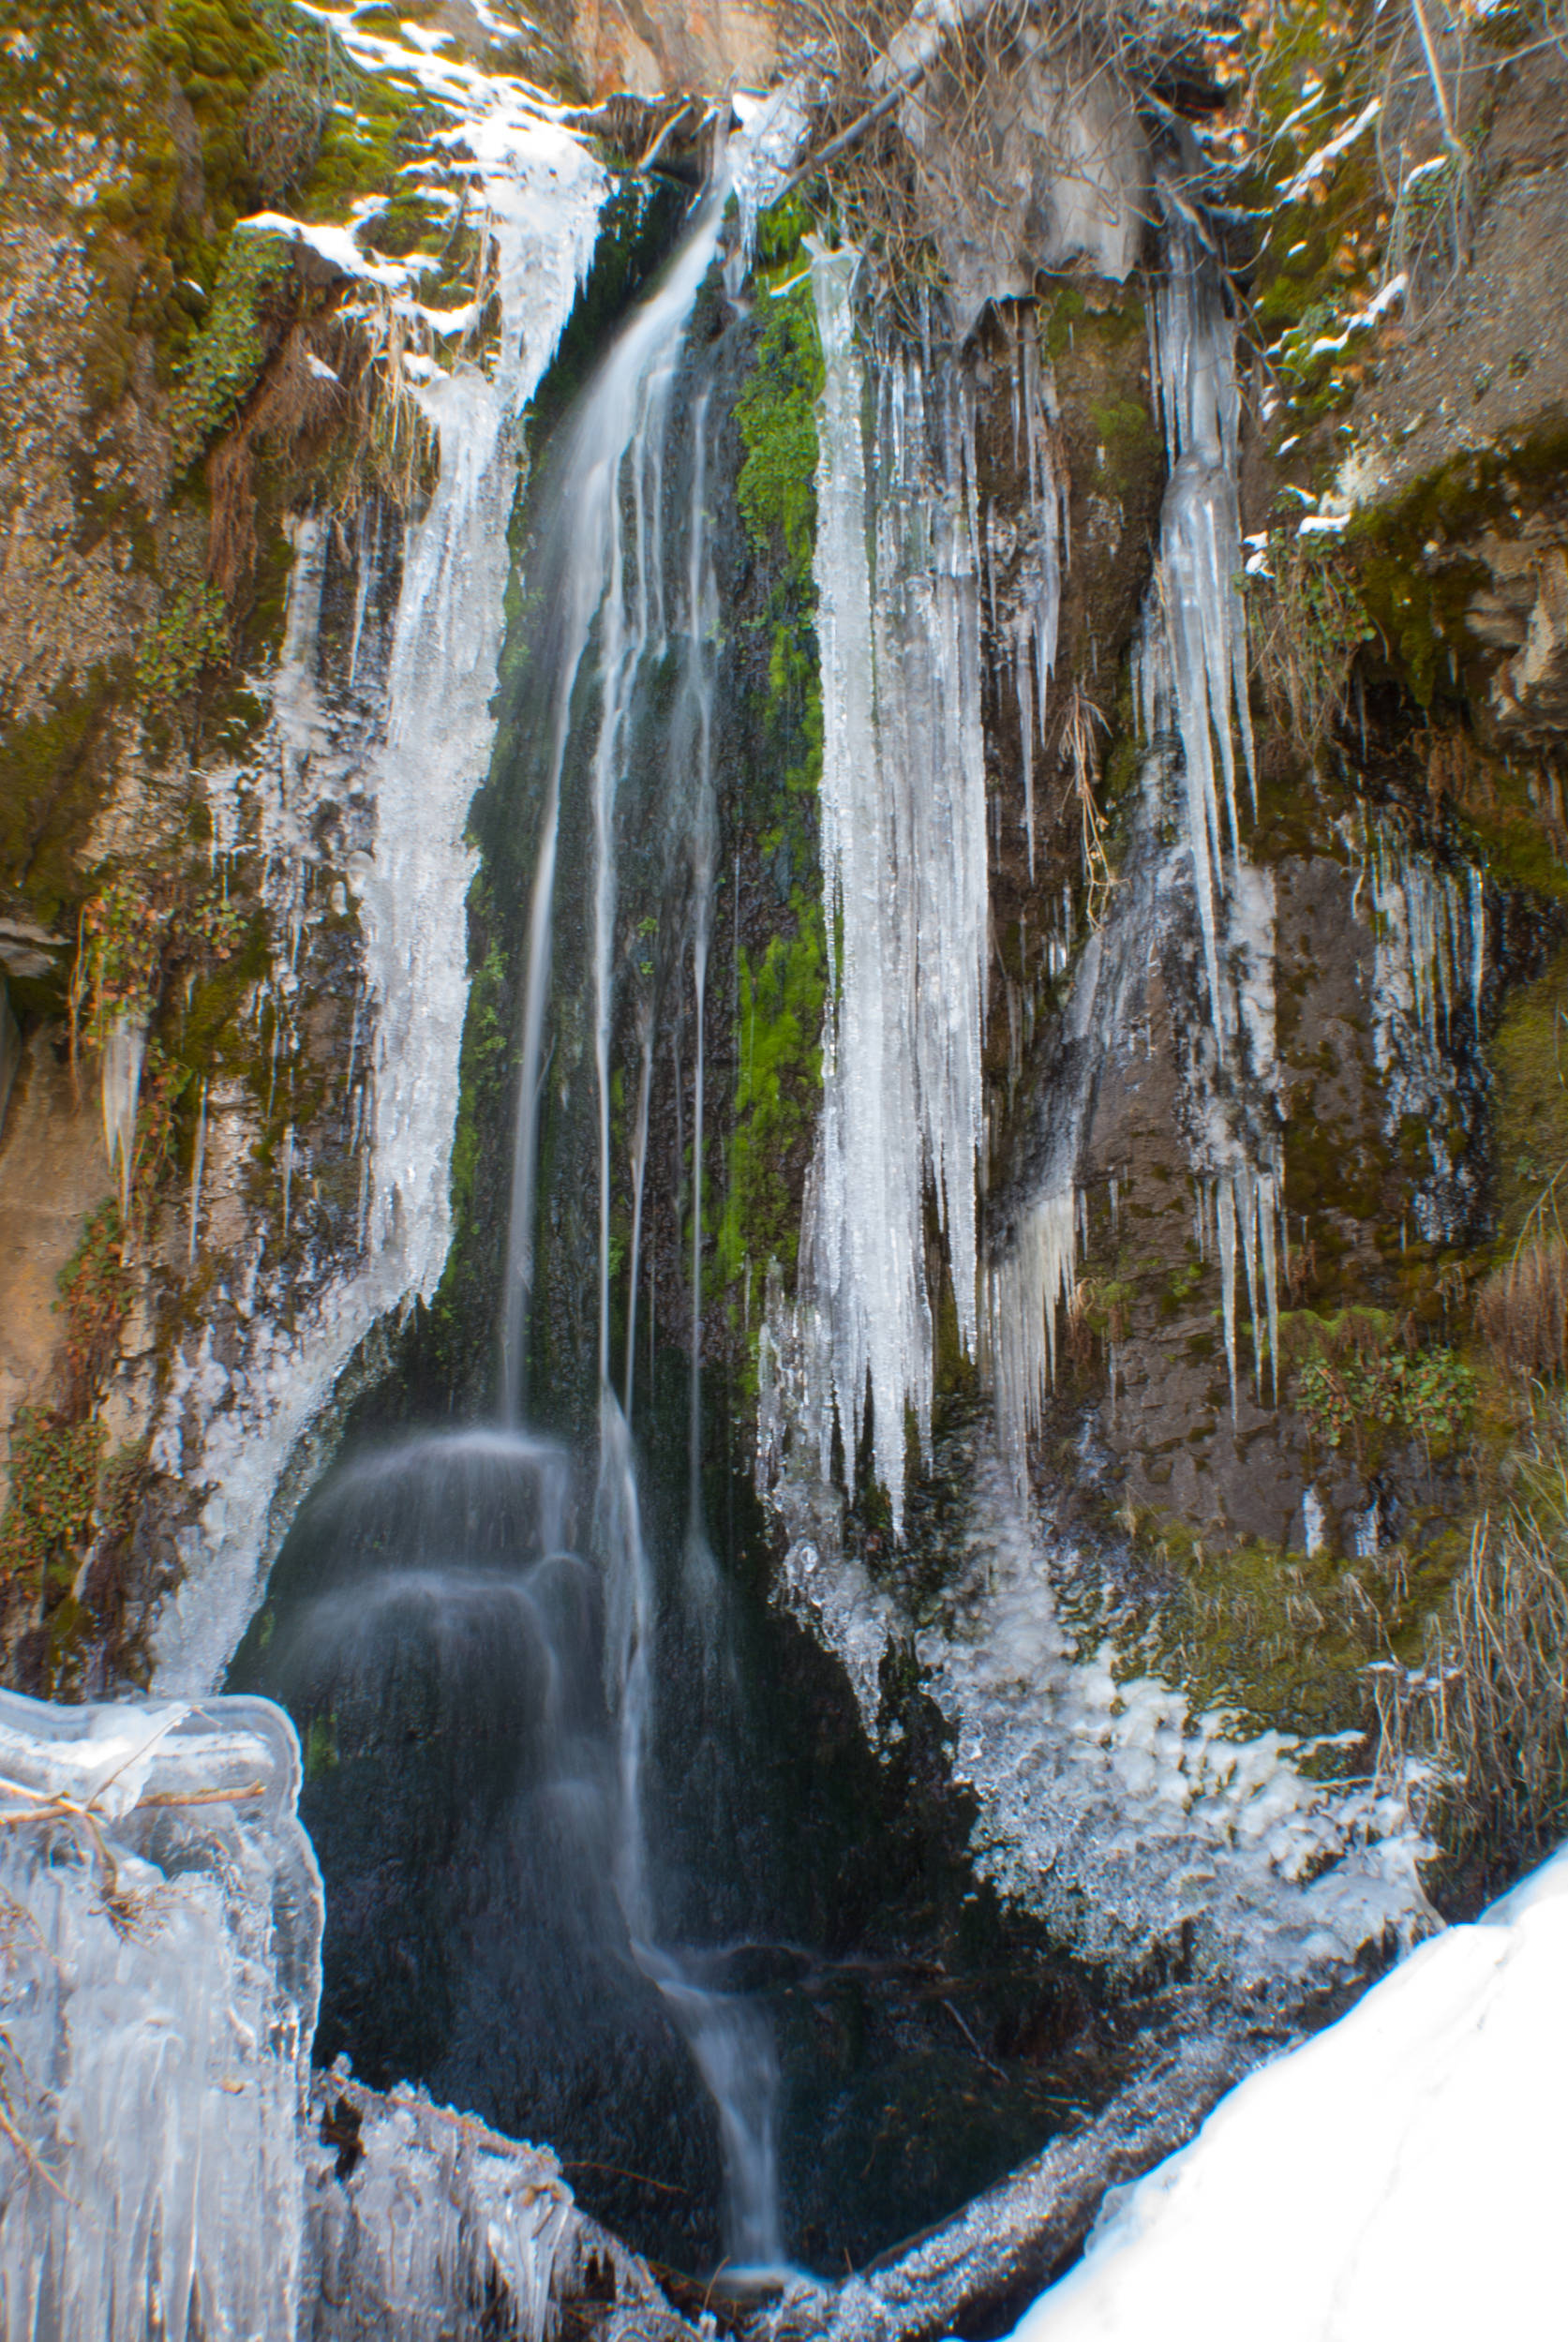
x=1400 y=2174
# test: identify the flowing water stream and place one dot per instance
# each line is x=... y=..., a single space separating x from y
x=600 y=1836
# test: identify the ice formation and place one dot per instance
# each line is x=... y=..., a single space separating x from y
x=1396 y=2174
x=1104 y=1801
x=1190 y=691
x=1106 y=1804
x=440 y=2227
x=1035 y=622
x=120 y=1076
x=904 y=877
x=1200 y=561
x=409 y=746
x=160 y=1971
x=1429 y=972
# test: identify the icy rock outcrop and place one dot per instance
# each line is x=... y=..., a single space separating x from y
x=1429 y=973
x=160 y=1928
x=421 y=2221
x=408 y=760
x=1047 y=166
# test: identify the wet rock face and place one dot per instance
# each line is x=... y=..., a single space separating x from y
x=1524 y=613
x=1165 y=1422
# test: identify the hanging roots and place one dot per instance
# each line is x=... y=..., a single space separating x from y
x=1082 y=725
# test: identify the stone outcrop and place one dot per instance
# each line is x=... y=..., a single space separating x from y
x=651 y=47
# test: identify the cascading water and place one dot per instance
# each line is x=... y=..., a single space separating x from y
x=451 y=1590
x=607 y=539
x=402 y=740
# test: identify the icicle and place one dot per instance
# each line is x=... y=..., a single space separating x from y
x=1024 y=1287
x=1204 y=619
x=287 y=1176
x=1225 y=1218
x=197 y=1165
x=124 y=1048
x=904 y=865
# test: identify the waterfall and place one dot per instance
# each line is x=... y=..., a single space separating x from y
x=414 y=760
x=621 y=606
x=605 y=589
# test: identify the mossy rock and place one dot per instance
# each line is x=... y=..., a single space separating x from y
x=1528 y=1054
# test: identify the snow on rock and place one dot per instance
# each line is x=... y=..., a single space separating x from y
x=159 y=1973
x=1399 y=2174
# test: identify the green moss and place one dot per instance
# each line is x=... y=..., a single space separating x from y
x=776 y=490
x=1509 y=837
x=47 y=1523
x=1270 y=1640
x=320 y=1746
x=778 y=1087
x=219 y=50
x=190 y=633
x=782 y=987
x=485 y=1060
x=1129 y=440
x=1528 y=1055
x=55 y=774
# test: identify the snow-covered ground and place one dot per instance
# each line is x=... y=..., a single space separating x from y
x=1399 y=2175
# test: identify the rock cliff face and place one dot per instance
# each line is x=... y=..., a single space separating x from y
x=651 y=46
x=1260 y=1110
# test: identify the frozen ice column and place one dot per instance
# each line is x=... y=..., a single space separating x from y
x=160 y=1938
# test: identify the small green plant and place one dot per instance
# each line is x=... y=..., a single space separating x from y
x=1307 y=621
x=96 y=1293
x=119 y=958
x=190 y=633
x=226 y=357
x=1426 y=1393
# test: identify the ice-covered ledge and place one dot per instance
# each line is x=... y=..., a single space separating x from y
x=160 y=1933
x=166 y=2166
